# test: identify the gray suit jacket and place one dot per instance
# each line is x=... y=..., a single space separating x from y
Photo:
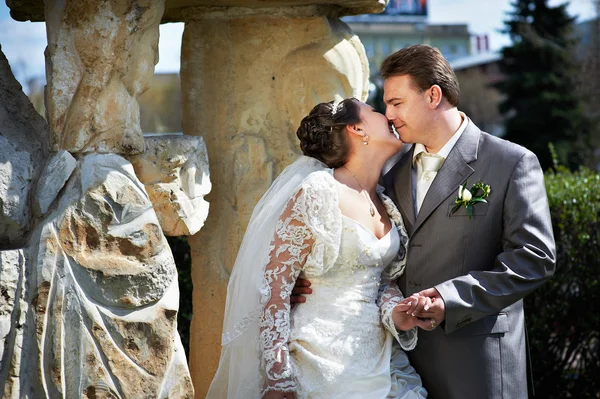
x=482 y=267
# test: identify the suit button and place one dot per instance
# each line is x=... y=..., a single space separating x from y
x=411 y=283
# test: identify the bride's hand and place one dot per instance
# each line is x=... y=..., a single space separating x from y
x=279 y=395
x=415 y=304
x=402 y=313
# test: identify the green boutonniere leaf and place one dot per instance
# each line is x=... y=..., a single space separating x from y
x=469 y=198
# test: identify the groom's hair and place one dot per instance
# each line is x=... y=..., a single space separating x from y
x=426 y=66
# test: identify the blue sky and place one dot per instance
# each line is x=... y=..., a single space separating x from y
x=23 y=43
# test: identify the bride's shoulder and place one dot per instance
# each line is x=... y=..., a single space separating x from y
x=321 y=179
x=319 y=189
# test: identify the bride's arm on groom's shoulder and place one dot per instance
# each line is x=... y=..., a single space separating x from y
x=291 y=244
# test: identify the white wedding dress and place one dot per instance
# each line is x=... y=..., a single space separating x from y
x=340 y=343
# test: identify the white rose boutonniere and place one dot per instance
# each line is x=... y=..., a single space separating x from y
x=468 y=198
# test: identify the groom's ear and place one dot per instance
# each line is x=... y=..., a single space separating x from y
x=434 y=96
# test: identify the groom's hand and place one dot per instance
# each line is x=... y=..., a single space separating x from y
x=302 y=287
x=436 y=312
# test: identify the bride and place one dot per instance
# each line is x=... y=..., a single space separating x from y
x=324 y=219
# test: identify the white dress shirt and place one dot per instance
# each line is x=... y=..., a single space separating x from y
x=443 y=152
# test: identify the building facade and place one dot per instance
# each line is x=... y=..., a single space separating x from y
x=404 y=23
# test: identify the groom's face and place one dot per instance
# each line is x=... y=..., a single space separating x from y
x=406 y=107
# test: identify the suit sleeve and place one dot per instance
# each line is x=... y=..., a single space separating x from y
x=527 y=260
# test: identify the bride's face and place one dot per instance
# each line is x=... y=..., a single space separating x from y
x=379 y=129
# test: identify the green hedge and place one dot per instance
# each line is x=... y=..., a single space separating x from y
x=562 y=316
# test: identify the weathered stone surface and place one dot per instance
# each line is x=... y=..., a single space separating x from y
x=175 y=10
x=99 y=58
x=105 y=293
x=23 y=148
x=58 y=169
x=247 y=81
x=13 y=310
x=175 y=172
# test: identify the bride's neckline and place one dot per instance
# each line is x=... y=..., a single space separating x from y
x=392 y=224
x=369 y=230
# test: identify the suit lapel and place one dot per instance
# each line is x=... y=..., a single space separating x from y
x=454 y=172
x=403 y=190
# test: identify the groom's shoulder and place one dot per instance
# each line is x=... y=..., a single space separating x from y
x=501 y=150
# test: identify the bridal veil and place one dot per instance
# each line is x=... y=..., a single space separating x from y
x=238 y=374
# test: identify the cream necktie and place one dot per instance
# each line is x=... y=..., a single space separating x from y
x=427 y=168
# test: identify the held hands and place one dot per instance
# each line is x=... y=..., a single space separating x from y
x=424 y=309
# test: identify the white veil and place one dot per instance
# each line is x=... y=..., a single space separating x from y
x=238 y=375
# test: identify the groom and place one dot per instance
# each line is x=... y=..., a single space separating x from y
x=476 y=264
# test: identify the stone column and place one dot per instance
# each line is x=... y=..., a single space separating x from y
x=248 y=77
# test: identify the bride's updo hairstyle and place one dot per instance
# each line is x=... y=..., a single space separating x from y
x=322 y=134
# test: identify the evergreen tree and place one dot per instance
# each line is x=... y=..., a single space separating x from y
x=542 y=104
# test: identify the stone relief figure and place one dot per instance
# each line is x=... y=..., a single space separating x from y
x=104 y=292
x=99 y=59
x=89 y=285
x=175 y=172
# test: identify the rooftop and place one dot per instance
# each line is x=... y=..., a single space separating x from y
x=475 y=60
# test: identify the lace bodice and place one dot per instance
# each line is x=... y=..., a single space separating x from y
x=352 y=272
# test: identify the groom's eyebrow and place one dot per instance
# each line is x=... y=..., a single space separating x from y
x=392 y=100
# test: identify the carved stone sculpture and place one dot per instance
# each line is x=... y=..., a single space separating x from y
x=88 y=289
x=99 y=58
x=13 y=319
x=105 y=292
x=174 y=169
x=23 y=152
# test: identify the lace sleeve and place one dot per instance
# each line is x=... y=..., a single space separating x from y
x=389 y=297
x=292 y=242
